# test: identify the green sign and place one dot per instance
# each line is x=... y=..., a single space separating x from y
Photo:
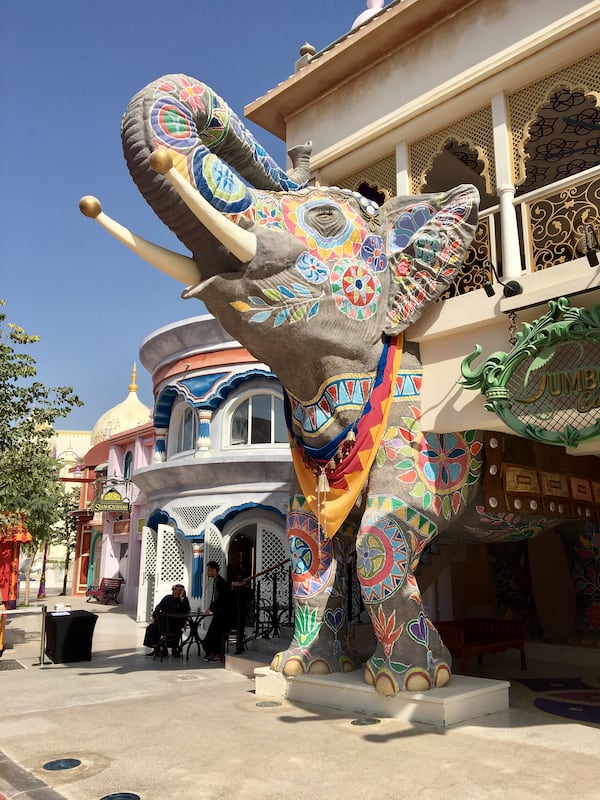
x=547 y=388
x=110 y=505
x=111 y=500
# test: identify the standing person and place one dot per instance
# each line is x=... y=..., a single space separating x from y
x=174 y=603
x=213 y=641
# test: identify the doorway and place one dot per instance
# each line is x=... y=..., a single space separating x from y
x=241 y=559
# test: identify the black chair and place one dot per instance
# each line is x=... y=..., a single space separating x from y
x=169 y=638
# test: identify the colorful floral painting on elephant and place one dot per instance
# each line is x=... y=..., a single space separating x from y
x=321 y=283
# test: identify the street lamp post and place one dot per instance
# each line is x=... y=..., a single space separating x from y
x=67 y=554
x=42 y=587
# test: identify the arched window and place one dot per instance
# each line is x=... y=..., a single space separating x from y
x=183 y=429
x=188 y=430
x=127 y=465
x=258 y=419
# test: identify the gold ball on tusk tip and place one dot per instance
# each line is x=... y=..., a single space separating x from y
x=90 y=206
x=161 y=161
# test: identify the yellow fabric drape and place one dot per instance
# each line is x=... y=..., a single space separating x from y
x=332 y=507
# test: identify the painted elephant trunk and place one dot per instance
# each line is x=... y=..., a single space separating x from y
x=205 y=138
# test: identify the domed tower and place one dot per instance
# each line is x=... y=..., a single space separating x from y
x=130 y=413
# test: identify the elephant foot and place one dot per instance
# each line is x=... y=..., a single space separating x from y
x=390 y=677
x=298 y=661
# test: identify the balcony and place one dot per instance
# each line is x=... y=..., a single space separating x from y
x=552 y=223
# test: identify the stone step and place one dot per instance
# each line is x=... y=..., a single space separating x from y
x=246 y=663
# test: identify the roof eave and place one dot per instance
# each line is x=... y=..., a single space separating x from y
x=347 y=57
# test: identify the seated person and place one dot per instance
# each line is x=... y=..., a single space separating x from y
x=174 y=603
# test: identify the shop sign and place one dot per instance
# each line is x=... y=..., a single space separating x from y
x=111 y=500
x=121 y=526
x=547 y=388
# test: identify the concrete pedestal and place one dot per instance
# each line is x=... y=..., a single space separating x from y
x=462 y=699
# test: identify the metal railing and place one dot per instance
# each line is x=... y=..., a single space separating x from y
x=262 y=603
x=553 y=222
x=6 y=612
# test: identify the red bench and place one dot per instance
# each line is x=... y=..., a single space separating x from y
x=106 y=592
x=469 y=637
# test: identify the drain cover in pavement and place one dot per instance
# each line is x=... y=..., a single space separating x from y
x=10 y=663
x=121 y=796
x=365 y=721
x=62 y=763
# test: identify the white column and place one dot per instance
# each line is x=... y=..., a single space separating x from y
x=511 y=254
x=402 y=174
x=203 y=440
x=160 y=446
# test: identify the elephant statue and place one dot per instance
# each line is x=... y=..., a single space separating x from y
x=321 y=283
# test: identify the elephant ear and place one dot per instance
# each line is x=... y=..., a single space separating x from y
x=427 y=239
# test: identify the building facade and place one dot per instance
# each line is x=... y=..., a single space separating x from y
x=111 y=508
x=425 y=95
x=416 y=98
x=218 y=483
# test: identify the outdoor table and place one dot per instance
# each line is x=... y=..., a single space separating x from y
x=193 y=618
x=69 y=636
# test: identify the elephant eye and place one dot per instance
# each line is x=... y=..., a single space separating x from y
x=326 y=220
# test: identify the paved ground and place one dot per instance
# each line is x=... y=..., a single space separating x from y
x=195 y=731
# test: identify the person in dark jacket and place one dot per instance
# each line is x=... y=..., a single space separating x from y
x=213 y=641
x=174 y=603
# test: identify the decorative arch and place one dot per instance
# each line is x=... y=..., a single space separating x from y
x=473 y=134
x=562 y=139
x=222 y=519
x=203 y=391
x=160 y=517
x=524 y=104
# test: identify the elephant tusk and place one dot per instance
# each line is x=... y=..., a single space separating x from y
x=182 y=268
x=240 y=242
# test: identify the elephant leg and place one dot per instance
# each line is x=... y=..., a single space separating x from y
x=320 y=641
x=409 y=656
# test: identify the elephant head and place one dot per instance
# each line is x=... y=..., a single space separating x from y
x=325 y=266
x=319 y=283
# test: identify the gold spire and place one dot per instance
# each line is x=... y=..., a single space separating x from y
x=133 y=387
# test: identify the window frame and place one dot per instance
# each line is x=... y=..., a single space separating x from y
x=182 y=413
x=275 y=419
x=128 y=465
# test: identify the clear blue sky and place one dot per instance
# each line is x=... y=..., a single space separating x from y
x=68 y=68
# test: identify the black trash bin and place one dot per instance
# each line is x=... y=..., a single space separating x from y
x=69 y=636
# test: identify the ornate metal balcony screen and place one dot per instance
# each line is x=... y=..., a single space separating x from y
x=557 y=223
x=555 y=136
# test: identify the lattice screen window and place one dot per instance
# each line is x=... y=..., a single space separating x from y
x=150 y=554
x=173 y=558
x=149 y=571
x=380 y=175
x=213 y=547
x=582 y=77
x=475 y=133
x=273 y=550
x=192 y=517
